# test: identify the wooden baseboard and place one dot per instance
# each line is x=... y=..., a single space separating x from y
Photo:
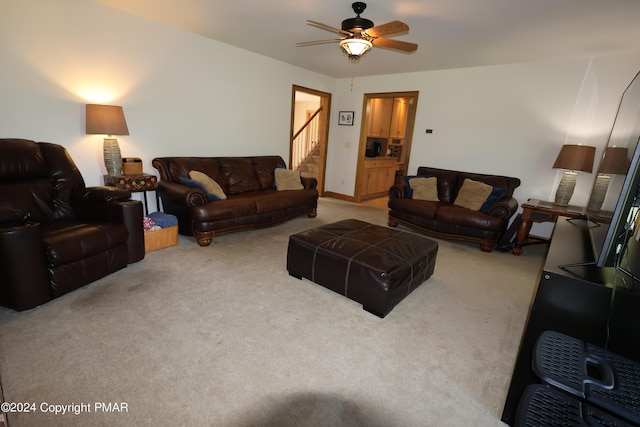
x=338 y=196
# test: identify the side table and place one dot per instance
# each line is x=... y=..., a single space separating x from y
x=541 y=211
x=138 y=183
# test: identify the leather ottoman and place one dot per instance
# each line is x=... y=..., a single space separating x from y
x=375 y=266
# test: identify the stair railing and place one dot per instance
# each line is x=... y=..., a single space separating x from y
x=305 y=140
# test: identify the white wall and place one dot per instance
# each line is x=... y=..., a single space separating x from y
x=182 y=94
x=510 y=119
x=186 y=95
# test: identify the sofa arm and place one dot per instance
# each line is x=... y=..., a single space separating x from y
x=398 y=192
x=181 y=194
x=309 y=183
x=24 y=279
x=504 y=208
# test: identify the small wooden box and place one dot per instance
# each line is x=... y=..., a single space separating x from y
x=131 y=165
x=158 y=239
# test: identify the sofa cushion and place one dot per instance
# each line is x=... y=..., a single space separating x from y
x=233 y=207
x=241 y=176
x=181 y=166
x=447 y=182
x=424 y=188
x=264 y=167
x=473 y=194
x=209 y=184
x=461 y=217
x=287 y=179
x=418 y=208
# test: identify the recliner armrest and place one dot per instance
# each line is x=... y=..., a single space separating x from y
x=103 y=204
x=105 y=194
x=24 y=279
x=12 y=217
x=129 y=213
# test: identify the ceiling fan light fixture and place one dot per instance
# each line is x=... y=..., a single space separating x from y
x=355 y=47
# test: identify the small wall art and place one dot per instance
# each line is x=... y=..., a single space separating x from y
x=345 y=118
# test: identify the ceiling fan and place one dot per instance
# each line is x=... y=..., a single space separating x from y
x=359 y=35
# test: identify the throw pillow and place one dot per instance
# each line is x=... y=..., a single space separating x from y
x=287 y=179
x=408 y=186
x=496 y=194
x=195 y=184
x=424 y=188
x=210 y=186
x=473 y=194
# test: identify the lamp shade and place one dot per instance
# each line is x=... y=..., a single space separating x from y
x=105 y=120
x=576 y=158
x=615 y=161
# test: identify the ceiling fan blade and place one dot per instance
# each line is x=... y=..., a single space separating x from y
x=328 y=28
x=393 y=27
x=395 y=44
x=311 y=43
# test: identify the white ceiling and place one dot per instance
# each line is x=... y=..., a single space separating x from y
x=450 y=33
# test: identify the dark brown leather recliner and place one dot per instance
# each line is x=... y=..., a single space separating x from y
x=57 y=235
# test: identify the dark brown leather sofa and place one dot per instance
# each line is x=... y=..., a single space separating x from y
x=445 y=219
x=249 y=184
x=57 y=235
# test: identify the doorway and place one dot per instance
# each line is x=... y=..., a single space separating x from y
x=310 y=112
x=386 y=133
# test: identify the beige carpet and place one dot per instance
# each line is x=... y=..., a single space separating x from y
x=223 y=336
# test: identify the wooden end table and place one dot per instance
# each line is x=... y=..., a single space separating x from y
x=138 y=183
x=535 y=210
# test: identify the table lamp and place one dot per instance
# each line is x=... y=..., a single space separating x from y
x=615 y=161
x=108 y=120
x=572 y=158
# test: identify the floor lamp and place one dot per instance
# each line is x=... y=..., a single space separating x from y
x=108 y=120
x=615 y=161
x=572 y=158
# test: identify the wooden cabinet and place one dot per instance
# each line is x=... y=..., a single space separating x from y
x=379 y=176
x=380 y=111
x=399 y=118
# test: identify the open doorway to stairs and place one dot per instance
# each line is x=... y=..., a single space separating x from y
x=309 y=133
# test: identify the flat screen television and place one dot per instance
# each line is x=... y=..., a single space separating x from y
x=618 y=180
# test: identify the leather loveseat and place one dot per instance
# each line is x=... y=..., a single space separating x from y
x=249 y=199
x=480 y=215
x=57 y=235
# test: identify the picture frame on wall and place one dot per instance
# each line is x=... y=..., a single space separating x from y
x=345 y=118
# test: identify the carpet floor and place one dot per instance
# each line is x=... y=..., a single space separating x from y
x=223 y=336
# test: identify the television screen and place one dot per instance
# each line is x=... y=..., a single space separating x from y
x=613 y=202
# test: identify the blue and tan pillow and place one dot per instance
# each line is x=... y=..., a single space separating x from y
x=209 y=185
x=195 y=184
x=496 y=194
x=477 y=196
